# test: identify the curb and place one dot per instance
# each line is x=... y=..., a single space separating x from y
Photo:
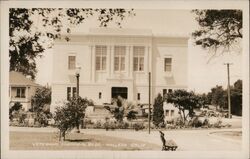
x=211 y=134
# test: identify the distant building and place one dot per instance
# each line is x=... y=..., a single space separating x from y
x=21 y=89
x=117 y=62
x=170 y=112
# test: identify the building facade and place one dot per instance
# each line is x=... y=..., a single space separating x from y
x=21 y=89
x=117 y=62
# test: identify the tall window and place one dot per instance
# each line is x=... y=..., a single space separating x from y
x=20 y=92
x=168 y=64
x=138 y=96
x=71 y=92
x=119 y=61
x=139 y=58
x=71 y=62
x=101 y=57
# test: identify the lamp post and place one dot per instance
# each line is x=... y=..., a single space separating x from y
x=77 y=81
x=77 y=90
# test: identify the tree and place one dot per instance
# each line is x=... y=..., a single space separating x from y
x=41 y=98
x=218 y=29
x=218 y=97
x=40 y=101
x=158 y=112
x=70 y=115
x=32 y=30
x=119 y=110
x=236 y=98
x=184 y=101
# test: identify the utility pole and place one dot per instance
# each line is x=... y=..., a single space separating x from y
x=228 y=89
x=149 y=102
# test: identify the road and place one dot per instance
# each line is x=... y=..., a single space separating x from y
x=187 y=140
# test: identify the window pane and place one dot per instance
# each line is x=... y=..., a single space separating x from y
x=98 y=63
x=141 y=66
x=120 y=52
x=135 y=63
x=139 y=50
x=18 y=92
x=101 y=53
x=68 y=93
x=104 y=63
x=71 y=62
x=23 y=93
x=139 y=58
x=168 y=65
x=122 y=63
x=74 y=92
x=116 y=64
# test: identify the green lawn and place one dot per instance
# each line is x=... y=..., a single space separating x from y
x=74 y=141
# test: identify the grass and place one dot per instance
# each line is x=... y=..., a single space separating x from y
x=74 y=141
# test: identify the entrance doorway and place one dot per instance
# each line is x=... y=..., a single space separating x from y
x=119 y=91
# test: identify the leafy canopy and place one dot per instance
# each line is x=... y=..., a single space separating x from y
x=70 y=114
x=32 y=30
x=184 y=101
x=41 y=98
x=218 y=29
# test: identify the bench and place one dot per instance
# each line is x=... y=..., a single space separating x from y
x=168 y=145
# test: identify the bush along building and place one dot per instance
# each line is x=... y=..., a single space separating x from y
x=117 y=62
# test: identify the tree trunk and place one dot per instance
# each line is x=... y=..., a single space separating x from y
x=184 y=117
x=63 y=136
x=60 y=135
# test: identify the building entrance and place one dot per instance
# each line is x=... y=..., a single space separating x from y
x=119 y=91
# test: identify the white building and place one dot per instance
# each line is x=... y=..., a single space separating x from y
x=117 y=62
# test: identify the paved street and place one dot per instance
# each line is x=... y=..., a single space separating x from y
x=200 y=140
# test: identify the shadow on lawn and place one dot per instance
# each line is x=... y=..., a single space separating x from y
x=79 y=140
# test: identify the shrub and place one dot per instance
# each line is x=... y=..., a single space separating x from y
x=97 y=125
x=138 y=126
x=109 y=125
x=15 y=108
x=131 y=115
x=195 y=122
x=178 y=122
x=206 y=123
x=122 y=125
x=218 y=124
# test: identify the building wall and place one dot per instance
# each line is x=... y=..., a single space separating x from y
x=26 y=102
x=93 y=82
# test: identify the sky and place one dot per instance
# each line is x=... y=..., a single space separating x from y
x=202 y=75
